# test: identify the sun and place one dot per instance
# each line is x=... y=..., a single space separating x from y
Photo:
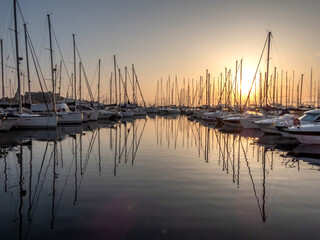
x=247 y=78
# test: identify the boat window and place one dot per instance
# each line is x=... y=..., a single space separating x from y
x=309 y=117
x=317 y=119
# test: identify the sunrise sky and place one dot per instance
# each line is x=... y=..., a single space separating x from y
x=171 y=37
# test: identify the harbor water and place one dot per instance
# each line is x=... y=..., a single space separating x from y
x=159 y=177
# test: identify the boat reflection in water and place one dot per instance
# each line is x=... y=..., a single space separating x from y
x=142 y=179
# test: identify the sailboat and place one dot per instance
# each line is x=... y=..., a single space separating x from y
x=6 y=122
x=65 y=115
x=29 y=120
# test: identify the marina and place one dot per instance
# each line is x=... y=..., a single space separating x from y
x=157 y=120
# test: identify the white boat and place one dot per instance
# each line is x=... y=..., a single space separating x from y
x=126 y=113
x=173 y=111
x=106 y=114
x=269 y=125
x=153 y=109
x=139 y=112
x=283 y=126
x=156 y=110
x=70 y=117
x=28 y=120
x=90 y=115
x=248 y=119
x=198 y=114
x=306 y=133
x=209 y=116
x=212 y=116
x=163 y=111
x=65 y=116
x=232 y=121
x=308 y=117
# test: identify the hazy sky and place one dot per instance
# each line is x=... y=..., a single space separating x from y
x=171 y=37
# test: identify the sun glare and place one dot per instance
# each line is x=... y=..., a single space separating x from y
x=247 y=77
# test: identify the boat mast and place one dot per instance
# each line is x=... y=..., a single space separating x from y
x=119 y=86
x=161 y=94
x=144 y=103
x=99 y=84
x=133 y=93
x=27 y=60
x=241 y=84
x=80 y=89
x=274 y=86
x=213 y=90
x=111 y=88
x=207 y=89
x=268 y=60
x=209 y=92
x=52 y=69
x=17 y=53
x=74 y=70
x=292 y=88
x=177 y=91
x=172 y=91
x=298 y=87
x=125 y=82
x=318 y=95
x=301 y=88
x=310 y=88
x=115 y=78
x=286 y=89
x=60 y=78
x=2 y=73
x=281 y=88
x=235 y=91
x=260 y=89
x=168 y=91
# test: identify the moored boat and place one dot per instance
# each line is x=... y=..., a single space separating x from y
x=306 y=133
x=308 y=117
x=28 y=120
x=269 y=125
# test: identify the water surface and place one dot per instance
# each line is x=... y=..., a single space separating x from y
x=157 y=178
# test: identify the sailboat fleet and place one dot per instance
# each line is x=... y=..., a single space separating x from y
x=70 y=110
x=223 y=98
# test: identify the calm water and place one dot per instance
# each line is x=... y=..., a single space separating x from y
x=157 y=178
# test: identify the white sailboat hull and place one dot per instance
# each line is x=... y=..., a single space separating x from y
x=126 y=114
x=232 y=121
x=139 y=113
x=173 y=111
x=210 y=117
x=90 y=115
x=70 y=118
x=104 y=114
x=37 y=121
